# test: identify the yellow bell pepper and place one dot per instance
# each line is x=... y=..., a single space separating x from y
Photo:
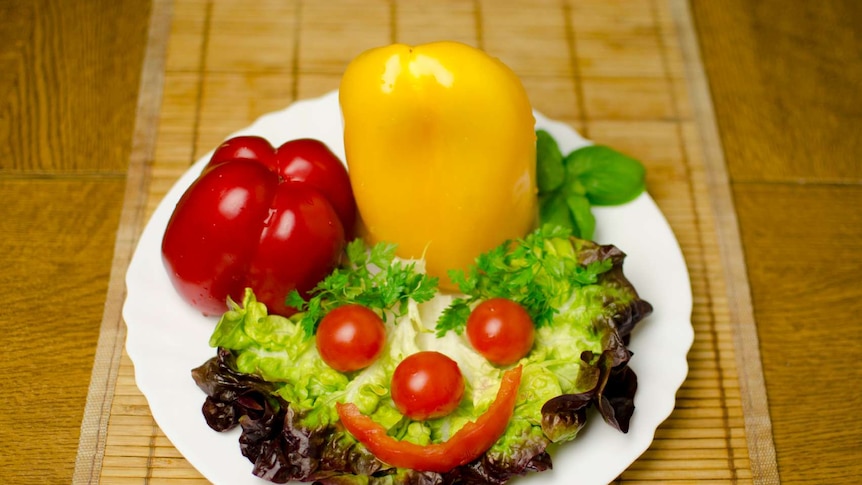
x=441 y=150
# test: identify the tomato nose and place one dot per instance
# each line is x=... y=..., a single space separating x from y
x=427 y=385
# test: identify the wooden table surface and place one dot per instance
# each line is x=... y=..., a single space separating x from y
x=785 y=80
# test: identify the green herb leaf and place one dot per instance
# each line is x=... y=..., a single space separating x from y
x=454 y=317
x=581 y=212
x=539 y=271
x=608 y=176
x=373 y=278
x=294 y=300
x=592 y=175
x=553 y=210
x=550 y=172
x=356 y=252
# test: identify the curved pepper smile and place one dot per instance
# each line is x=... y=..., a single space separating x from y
x=467 y=444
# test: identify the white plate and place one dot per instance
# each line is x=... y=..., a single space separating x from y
x=167 y=338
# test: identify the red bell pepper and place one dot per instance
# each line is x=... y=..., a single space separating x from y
x=467 y=444
x=271 y=220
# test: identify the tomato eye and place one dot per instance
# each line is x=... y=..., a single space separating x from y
x=350 y=338
x=427 y=385
x=501 y=330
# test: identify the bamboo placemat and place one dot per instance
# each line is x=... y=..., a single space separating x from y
x=624 y=73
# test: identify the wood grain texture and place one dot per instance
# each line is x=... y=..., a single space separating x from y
x=112 y=331
x=56 y=249
x=68 y=84
x=785 y=80
x=804 y=254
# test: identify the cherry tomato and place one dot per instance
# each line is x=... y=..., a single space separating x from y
x=427 y=385
x=309 y=161
x=501 y=330
x=467 y=444
x=237 y=226
x=350 y=337
x=243 y=148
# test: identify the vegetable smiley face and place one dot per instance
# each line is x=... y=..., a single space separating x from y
x=271 y=220
x=496 y=428
x=427 y=385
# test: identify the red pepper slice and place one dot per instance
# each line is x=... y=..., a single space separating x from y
x=467 y=444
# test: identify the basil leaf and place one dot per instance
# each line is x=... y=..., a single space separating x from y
x=608 y=176
x=550 y=173
x=554 y=211
x=583 y=216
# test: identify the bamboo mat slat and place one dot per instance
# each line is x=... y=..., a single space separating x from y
x=618 y=71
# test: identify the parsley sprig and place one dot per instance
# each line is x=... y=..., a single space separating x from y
x=539 y=271
x=373 y=278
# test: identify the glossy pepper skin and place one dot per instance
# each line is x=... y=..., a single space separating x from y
x=253 y=220
x=440 y=144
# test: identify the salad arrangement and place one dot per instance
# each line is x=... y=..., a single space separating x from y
x=386 y=370
x=269 y=378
